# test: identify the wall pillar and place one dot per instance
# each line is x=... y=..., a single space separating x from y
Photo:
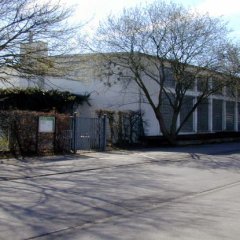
x=195 y=113
x=236 y=112
x=210 y=114
x=178 y=121
x=195 y=117
x=224 y=113
x=210 y=108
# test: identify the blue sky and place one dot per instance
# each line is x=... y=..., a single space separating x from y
x=96 y=10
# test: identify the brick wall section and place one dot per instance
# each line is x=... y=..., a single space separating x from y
x=25 y=138
x=63 y=133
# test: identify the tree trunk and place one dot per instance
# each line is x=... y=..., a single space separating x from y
x=169 y=135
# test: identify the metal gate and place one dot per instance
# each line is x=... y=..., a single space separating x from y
x=89 y=133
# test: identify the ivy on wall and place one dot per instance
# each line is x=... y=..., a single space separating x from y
x=36 y=99
x=20 y=133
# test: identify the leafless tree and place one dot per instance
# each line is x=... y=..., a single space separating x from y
x=230 y=59
x=31 y=21
x=164 y=48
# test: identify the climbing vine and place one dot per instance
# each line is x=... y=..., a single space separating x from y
x=125 y=127
x=36 y=99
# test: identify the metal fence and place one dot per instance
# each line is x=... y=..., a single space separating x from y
x=64 y=141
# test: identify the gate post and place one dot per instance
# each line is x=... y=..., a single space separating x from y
x=104 y=133
x=74 y=128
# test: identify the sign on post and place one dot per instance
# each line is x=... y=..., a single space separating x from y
x=46 y=124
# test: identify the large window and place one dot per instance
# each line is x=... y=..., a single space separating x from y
x=217 y=115
x=167 y=112
x=202 y=84
x=230 y=116
x=202 y=116
x=169 y=78
x=186 y=107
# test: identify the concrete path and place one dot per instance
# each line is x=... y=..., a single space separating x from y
x=180 y=193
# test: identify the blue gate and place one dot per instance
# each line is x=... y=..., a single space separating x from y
x=89 y=134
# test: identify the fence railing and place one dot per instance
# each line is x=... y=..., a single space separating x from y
x=4 y=138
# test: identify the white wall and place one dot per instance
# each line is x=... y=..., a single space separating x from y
x=85 y=80
x=103 y=97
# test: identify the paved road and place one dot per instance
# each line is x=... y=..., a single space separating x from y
x=180 y=193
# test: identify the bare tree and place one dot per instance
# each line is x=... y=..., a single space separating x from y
x=230 y=59
x=164 y=49
x=21 y=22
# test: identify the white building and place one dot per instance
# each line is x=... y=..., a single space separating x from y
x=80 y=74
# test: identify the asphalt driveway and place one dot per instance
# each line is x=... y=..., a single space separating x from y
x=180 y=193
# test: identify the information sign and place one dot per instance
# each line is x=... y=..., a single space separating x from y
x=46 y=124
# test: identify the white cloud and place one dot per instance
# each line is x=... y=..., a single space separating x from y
x=221 y=7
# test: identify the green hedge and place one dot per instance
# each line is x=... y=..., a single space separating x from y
x=36 y=99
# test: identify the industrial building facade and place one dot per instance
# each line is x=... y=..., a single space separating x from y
x=219 y=112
